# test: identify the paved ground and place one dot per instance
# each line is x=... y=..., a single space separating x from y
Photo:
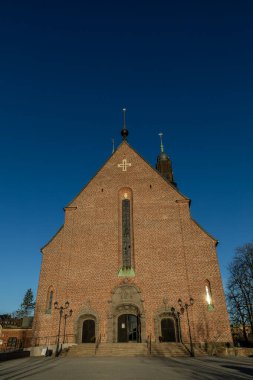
x=127 y=368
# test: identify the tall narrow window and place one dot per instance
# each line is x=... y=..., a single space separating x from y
x=50 y=300
x=126 y=233
x=208 y=296
x=126 y=258
x=50 y=295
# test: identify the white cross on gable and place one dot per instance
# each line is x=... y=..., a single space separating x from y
x=124 y=165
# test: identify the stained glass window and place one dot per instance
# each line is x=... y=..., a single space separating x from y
x=126 y=233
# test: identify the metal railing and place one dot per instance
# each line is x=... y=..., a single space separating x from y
x=98 y=341
x=149 y=344
x=52 y=340
x=6 y=347
x=14 y=343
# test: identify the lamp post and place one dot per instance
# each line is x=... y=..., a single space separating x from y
x=184 y=307
x=60 y=308
x=66 y=315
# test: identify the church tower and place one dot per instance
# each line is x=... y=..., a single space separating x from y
x=164 y=165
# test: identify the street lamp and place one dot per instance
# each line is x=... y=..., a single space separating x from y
x=184 y=307
x=60 y=308
x=66 y=315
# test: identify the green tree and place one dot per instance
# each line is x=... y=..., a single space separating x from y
x=27 y=306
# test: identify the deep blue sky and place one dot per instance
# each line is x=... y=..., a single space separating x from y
x=66 y=70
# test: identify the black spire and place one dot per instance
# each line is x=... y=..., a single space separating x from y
x=163 y=164
x=124 y=132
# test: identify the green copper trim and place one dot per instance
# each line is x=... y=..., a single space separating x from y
x=210 y=308
x=126 y=272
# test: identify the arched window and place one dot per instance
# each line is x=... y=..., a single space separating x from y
x=126 y=259
x=50 y=296
x=208 y=295
x=126 y=234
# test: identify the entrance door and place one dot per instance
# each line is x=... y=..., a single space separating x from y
x=128 y=328
x=89 y=331
x=168 y=330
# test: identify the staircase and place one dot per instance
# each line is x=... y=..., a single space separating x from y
x=108 y=349
x=81 y=350
x=122 y=349
x=175 y=350
x=200 y=351
x=165 y=350
x=168 y=350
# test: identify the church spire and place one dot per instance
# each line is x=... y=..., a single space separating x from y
x=113 y=146
x=161 y=138
x=124 y=132
x=163 y=163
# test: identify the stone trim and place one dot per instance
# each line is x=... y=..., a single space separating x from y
x=85 y=313
x=166 y=312
x=126 y=299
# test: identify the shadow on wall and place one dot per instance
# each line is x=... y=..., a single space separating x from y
x=212 y=343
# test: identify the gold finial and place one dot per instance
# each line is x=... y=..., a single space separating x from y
x=161 y=138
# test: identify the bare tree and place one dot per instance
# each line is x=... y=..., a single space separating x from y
x=240 y=288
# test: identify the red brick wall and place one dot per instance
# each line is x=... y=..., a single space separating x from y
x=22 y=335
x=172 y=255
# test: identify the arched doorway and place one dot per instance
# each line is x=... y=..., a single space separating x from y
x=88 y=334
x=167 y=325
x=168 y=330
x=127 y=301
x=129 y=328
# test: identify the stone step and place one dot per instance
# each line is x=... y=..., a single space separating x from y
x=200 y=352
x=122 y=349
x=81 y=350
x=125 y=346
x=175 y=349
x=169 y=350
x=108 y=349
x=132 y=349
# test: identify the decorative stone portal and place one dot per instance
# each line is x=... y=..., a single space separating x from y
x=87 y=325
x=167 y=325
x=126 y=317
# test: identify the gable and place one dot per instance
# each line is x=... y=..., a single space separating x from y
x=54 y=242
x=124 y=168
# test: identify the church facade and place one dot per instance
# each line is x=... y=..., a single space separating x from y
x=130 y=263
